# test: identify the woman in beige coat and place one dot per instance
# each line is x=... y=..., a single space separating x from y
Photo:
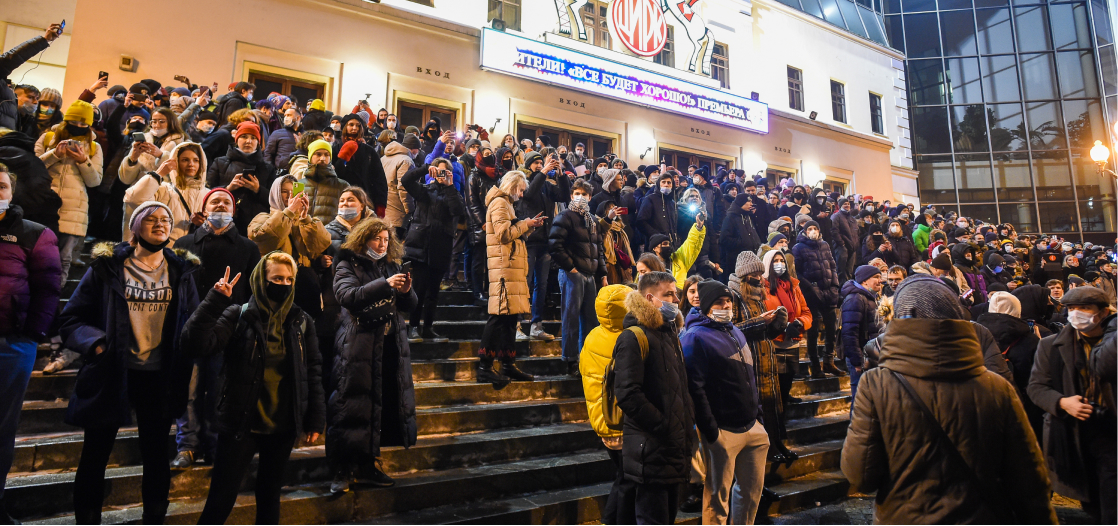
x=508 y=279
x=179 y=183
x=289 y=227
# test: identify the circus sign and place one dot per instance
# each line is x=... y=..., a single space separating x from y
x=639 y=25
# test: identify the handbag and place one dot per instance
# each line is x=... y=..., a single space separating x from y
x=379 y=312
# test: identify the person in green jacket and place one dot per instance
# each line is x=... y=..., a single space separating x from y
x=682 y=258
x=920 y=234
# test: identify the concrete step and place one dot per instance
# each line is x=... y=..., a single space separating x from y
x=808 y=490
x=471 y=330
x=808 y=386
x=441 y=394
x=805 y=431
x=818 y=405
x=458 y=348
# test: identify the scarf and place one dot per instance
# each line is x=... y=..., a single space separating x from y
x=583 y=209
x=276 y=314
x=616 y=243
x=786 y=296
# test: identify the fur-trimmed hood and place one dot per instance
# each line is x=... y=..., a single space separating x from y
x=642 y=312
x=119 y=251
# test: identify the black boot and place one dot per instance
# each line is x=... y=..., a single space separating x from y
x=373 y=476
x=816 y=370
x=430 y=334
x=509 y=369
x=829 y=368
x=788 y=454
x=694 y=501
x=572 y=370
x=4 y=517
x=486 y=374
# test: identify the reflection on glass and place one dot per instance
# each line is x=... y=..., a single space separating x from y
x=895 y=30
x=1021 y=215
x=853 y=23
x=999 y=78
x=955 y=4
x=1089 y=183
x=1007 y=127
x=930 y=130
x=1045 y=127
x=974 y=178
x=1032 y=28
x=1097 y=215
x=1012 y=177
x=926 y=82
x=921 y=35
x=963 y=81
x=1039 y=74
x=1104 y=34
x=831 y=12
x=958 y=33
x=812 y=7
x=911 y=6
x=1109 y=70
x=1085 y=122
x=1077 y=74
x=987 y=213
x=937 y=178
x=1058 y=217
x=990 y=3
x=873 y=26
x=995 y=32
x=1053 y=176
x=968 y=126
x=1070 y=27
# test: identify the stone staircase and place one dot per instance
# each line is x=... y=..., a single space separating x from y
x=522 y=454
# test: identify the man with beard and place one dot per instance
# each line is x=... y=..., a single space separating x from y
x=358 y=162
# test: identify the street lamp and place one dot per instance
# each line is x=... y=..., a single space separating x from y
x=1100 y=153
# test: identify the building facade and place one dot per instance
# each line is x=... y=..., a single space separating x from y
x=827 y=102
x=1006 y=101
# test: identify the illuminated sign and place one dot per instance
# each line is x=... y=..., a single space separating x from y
x=544 y=62
x=640 y=25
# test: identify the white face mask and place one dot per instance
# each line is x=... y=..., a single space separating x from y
x=579 y=201
x=813 y=235
x=220 y=219
x=175 y=98
x=288 y=121
x=1082 y=321
x=779 y=268
x=158 y=133
x=895 y=229
x=665 y=190
x=205 y=127
x=349 y=214
x=4 y=204
x=721 y=315
x=376 y=255
x=336 y=127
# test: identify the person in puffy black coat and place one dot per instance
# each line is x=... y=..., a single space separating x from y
x=430 y=239
x=358 y=162
x=372 y=400
x=12 y=59
x=846 y=246
x=485 y=175
x=658 y=214
x=819 y=282
x=1018 y=340
x=32 y=190
x=904 y=248
x=547 y=185
x=272 y=374
x=575 y=243
x=653 y=395
x=860 y=321
x=821 y=214
x=738 y=232
x=250 y=189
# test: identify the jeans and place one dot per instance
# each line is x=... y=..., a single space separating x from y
x=579 y=316
x=653 y=503
x=426 y=279
x=146 y=395
x=234 y=456
x=67 y=244
x=17 y=358
x=539 y=267
x=739 y=456
x=855 y=375
x=827 y=316
x=196 y=431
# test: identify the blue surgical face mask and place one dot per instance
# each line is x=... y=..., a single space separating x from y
x=665 y=190
x=349 y=214
x=669 y=311
x=998 y=269
x=220 y=219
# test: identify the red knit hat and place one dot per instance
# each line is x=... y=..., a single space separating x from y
x=226 y=192
x=247 y=127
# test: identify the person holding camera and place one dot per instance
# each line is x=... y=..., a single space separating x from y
x=244 y=172
x=548 y=184
x=12 y=59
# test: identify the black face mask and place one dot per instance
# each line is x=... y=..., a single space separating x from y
x=152 y=247
x=277 y=292
x=507 y=164
x=666 y=254
x=488 y=159
x=76 y=131
x=136 y=126
x=798 y=197
x=756 y=282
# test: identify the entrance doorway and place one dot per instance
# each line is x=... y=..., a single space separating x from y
x=681 y=160
x=596 y=146
x=301 y=90
x=831 y=185
x=417 y=114
x=774 y=175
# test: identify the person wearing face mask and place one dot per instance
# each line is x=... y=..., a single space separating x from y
x=12 y=59
x=27 y=101
x=486 y=175
x=372 y=398
x=679 y=261
x=616 y=249
x=275 y=398
x=964 y=257
x=782 y=289
x=358 y=162
x=993 y=269
x=860 y=320
x=548 y=185
x=658 y=213
x=243 y=171
x=162 y=135
x=281 y=143
x=237 y=99
x=178 y=183
x=651 y=386
x=137 y=366
x=795 y=204
x=445 y=148
x=432 y=132
x=847 y=250
x=321 y=182
x=904 y=251
x=509 y=266
x=819 y=283
x=723 y=382
x=1080 y=444
x=738 y=233
x=47 y=116
x=75 y=161
x=316 y=117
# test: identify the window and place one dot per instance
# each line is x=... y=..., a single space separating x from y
x=681 y=160
x=833 y=186
x=596 y=146
x=666 y=56
x=877 y=122
x=417 y=114
x=506 y=10
x=720 y=65
x=795 y=89
x=838 y=102
x=596 y=22
x=302 y=90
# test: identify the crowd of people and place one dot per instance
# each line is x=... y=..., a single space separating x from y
x=270 y=262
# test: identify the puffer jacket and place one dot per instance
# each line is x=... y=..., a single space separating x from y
x=30 y=276
x=33 y=193
x=9 y=61
x=969 y=270
x=574 y=245
x=904 y=250
x=652 y=394
x=820 y=214
x=69 y=180
x=658 y=215
x=541 y=196
x=305 y=239
x=364 y=169
x=1018 y=344
x=892 y=449
x=396 y=162
x=797 y=311
x=860 y=321
x=720 y=375
x=356 y=404
x=845 y=226
x=438 y=208
x=479 y=184
x=281 y=146
x=506 y=255
x=323 y=187
x=597 y=351
x=818 y=273
x=128 y=172
x=183 y=202
x=220 y=326
x=97 y=316
x=249 y=204
x=738 y=234
x=920 y=237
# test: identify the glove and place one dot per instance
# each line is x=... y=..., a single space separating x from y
x=347 y=150
x=795 y=330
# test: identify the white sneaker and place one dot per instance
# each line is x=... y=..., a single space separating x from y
x=539 y=334
x=520 y=336
x=60 y=361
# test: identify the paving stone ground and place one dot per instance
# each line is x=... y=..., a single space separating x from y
x=858 y=509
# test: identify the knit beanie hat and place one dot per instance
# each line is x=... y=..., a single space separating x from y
x=185 y=92
x=740 y=201
x=319 y=145
x=942 y=262
x=776 y=237
x=608 y=176
x=1005 y=303
x=711 y=291
x=247 y=127
x=145 y=209
x=364 y=116
x=810 y=224
x=656 y=239
x=221 y=189
x=748 y=263
x=51 y=95
x=411 y=142
x=80 y=111
x=207 y=116
x=650 y=169
x=317 y=104
x=864 y=272
x=925 y=297
x=139 y=87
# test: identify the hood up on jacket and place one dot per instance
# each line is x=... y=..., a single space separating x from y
x=202 y=165
x=932 y=349
x=1006 y=329
x=395 y=148
x=774 y=225
x=610 y=307
x=1034 y=302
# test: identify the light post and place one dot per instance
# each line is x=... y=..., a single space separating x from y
x=1100 y=153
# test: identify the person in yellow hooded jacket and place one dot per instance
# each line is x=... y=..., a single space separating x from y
x=597 y=351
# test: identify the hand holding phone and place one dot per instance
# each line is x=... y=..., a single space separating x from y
x=298 y=188
x=622 y=210
x=405 y=268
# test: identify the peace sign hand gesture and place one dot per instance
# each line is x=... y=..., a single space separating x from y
x=225 y=286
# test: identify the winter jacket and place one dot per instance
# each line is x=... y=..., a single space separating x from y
x=845 y=227
x=364 y=169
x=506 y=255
x=316 y=120
x=720 y=376
x=129 y=172
x=797 y=311
x=249 y=203
x=818 y=273
x=215 y=252
x=9 y=61
x=30 y=276
x=597 y=351
x=904 y=250
x=860 y=321
x=356 y=403
x=69 y=180
x=304 y=238
x=97 y=316
x=658 y=215
x=183 y=202
x=738 y=235
x=920 y=237
x=541 y=196
x=438 y=209
x=821 y=215
x=220 y=326
x=684 y=256
x=576 y=245
x=1057 y=373
x=281 y=146
x=229 y=103
x=478 y=187
x=892 y=449
x=969 y=270
x=323 y=188
x=397 y=162
x=1018 y=343
x=33 y=193
x=653 y=395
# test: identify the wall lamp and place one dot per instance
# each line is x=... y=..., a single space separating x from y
x=649 y=149
x=494 y=126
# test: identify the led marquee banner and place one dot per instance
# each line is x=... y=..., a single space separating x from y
x=551 y=64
